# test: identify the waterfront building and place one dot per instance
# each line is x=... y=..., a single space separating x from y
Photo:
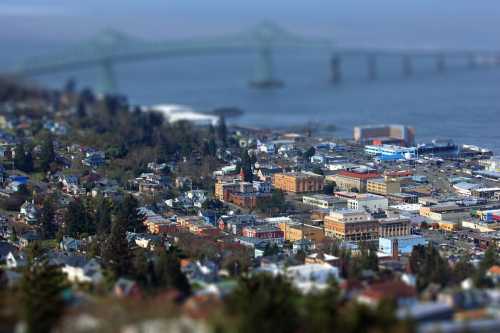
x=380 y=134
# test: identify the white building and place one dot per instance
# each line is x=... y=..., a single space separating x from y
x=311 y=277
x=368 y=202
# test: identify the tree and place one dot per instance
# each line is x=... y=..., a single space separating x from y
x=103 y=216
x=41 y=288
x=270 y=250
x=490 y=258
x=47 y=153
x=23 y=159
x=246 y=166
x=128 y=212
x=264 y=303
x=222 y=131
x=429 y=267
x=116 y=252
x=169 y=274
x=329 y=187
x=77 y=220
x=46 y=219
x=309 y=153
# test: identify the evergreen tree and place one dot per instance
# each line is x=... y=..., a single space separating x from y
x=77 y=220
x=246 y=166
x=47 y=153
x=265 y=304
x=81 y=109
x=222 y=131
x=19 y=156
x=116 y=251
x=28 y=161
x=46 y=219
x=103 y=216
x=41 y=288
x=169 y=274
x=429 y=266
x=309 y=153
x=128 y=212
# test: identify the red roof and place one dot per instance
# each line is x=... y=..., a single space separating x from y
x=389 y=290
x=360 y=175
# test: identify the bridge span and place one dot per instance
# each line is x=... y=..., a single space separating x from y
x=110 y=48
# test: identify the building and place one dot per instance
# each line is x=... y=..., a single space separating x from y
x=264 y=232
x=368 y=202
x=405 y=244
x=383 y=186
x=391 y=152
x=351 y=225
x=445 y=212
x=394 y=227
x=296 y=231
x=324 y=201
x=354 y=180
x=403 y=198
x=380 y=134
x=298 y=182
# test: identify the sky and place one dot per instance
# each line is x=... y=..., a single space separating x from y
x=398 y=23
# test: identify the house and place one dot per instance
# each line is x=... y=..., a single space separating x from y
x=312 y=276
x=125 y=288
x=79 y=270
x=94 y=159
x=494 y=274
x=69 y=244
x=5 y=249
x=15 y=260
x=28 y=213
x=200 y=271
x=394 y=290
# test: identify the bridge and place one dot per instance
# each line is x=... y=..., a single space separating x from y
x=111 y=48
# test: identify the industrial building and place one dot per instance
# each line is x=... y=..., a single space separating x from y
x=385 y=134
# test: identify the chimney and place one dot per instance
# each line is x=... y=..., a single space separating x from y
x=395 y=249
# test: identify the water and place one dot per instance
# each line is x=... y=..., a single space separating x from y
x=462 y=104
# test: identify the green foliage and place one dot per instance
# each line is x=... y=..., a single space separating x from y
x=41 y=289
x=46 y=219
x=103 y=215
x=265 y=304
x=246 y=166
x=309 y=153
x=429 y=266
x=169 y=274
x=116 y=251
x=47 y=152
x=222 y=131
x=129 y=214
x=329 y=188
x=23 y=159
x=78 y=220
x=490 y=258
x=271 y=249
x=274 y=205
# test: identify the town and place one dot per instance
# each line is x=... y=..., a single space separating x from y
x=115 y=218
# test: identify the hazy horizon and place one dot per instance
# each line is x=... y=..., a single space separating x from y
x=423 y=23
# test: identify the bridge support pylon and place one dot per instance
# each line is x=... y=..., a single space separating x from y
x=107 y=80
x=264 y=76
x=407 y=66
x=440 y=63
x=371 y=62
x=335 y=68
